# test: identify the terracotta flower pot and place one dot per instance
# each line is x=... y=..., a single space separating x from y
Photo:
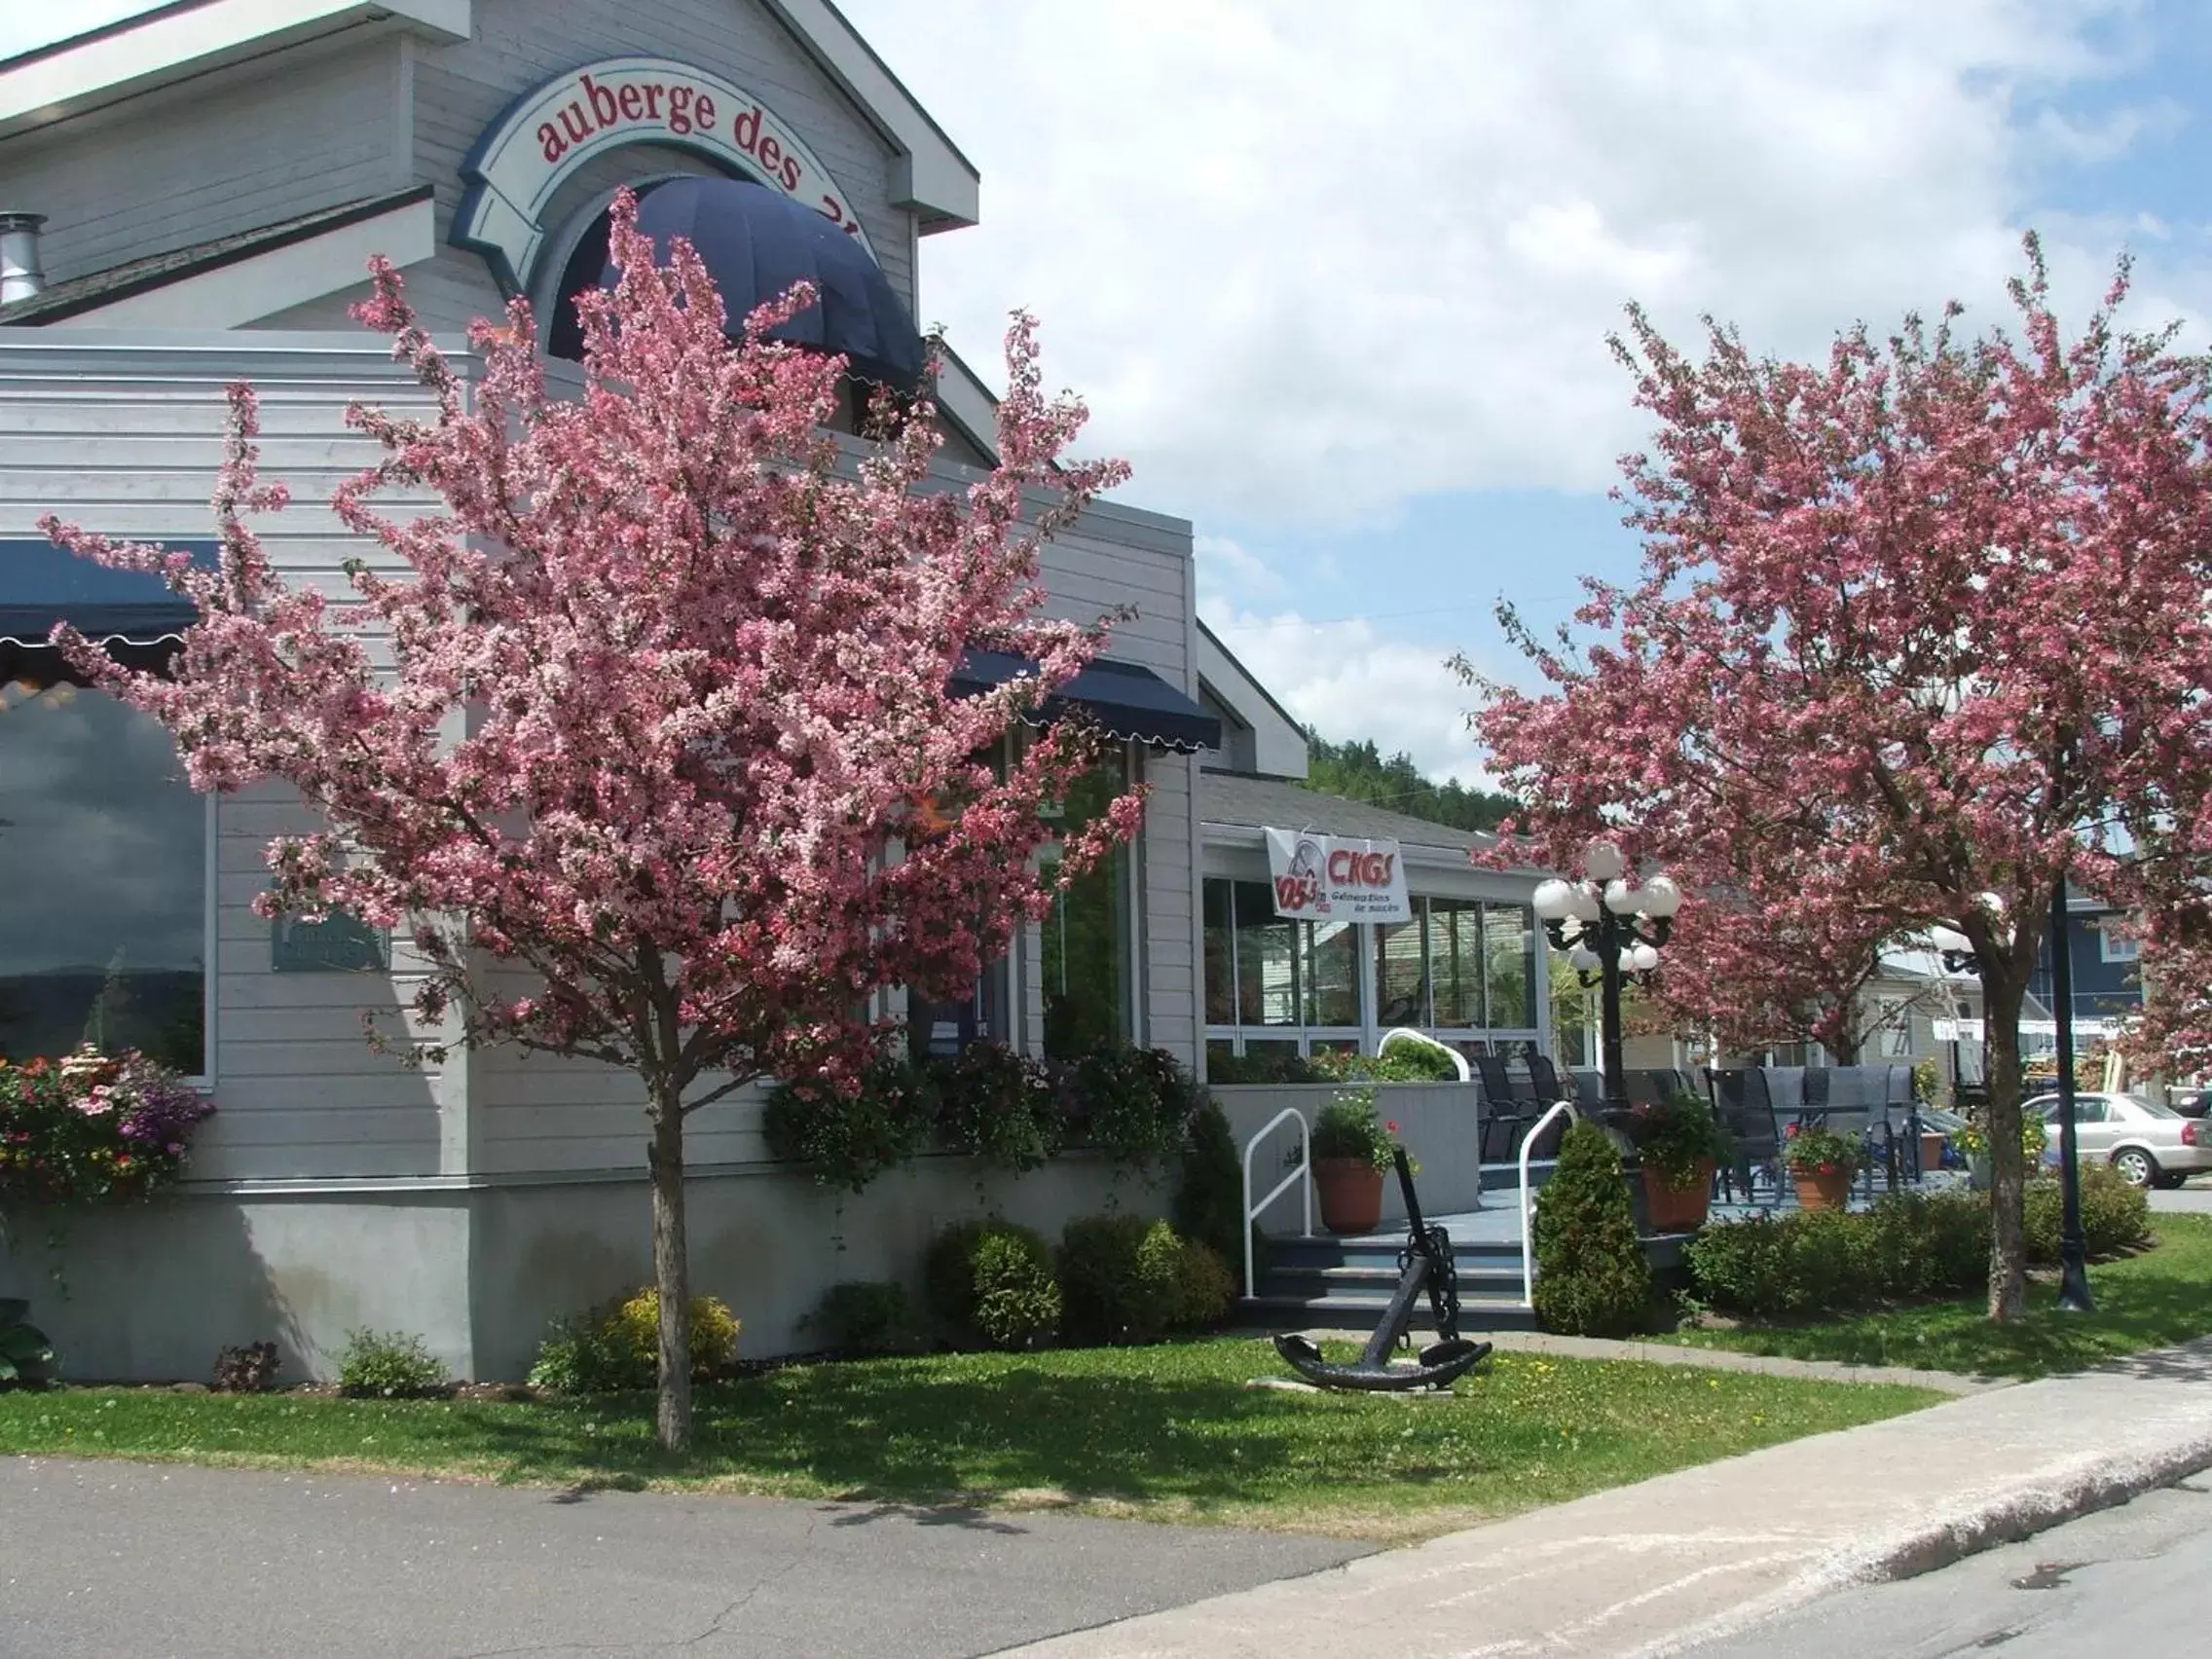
x=1682 y=1208
x=1822 y=1190
x=1351 y=1190
x=1932 y=1146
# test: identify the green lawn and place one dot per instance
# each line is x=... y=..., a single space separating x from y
x=2152 y=1300
x=1168 y=1433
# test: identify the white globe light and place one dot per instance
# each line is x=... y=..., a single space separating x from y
x=1570 y=930
x=1603 y=861
x=1554 y=899
x=1641 y=959
x=1661 y=898
x=1582 y=959
x=1621 y=899
x=1585 y=905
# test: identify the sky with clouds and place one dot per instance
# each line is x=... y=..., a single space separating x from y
x=1338 y=279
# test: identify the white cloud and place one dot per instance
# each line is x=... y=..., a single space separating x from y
x=1346 y=680
x=1309 y=261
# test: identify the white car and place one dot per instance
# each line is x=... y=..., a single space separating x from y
x=2146 y=1144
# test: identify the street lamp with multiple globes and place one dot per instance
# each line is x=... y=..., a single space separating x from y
x=1608 y=928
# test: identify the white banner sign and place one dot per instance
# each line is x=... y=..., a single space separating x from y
x=1342 y=879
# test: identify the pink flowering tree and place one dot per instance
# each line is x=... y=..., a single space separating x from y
x=1921 y=631
x=646 y=739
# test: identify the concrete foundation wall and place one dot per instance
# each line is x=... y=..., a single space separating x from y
x=1439 y=1124
x=149 y=1294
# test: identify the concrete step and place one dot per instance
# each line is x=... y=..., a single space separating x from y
x=1372 y=1252
x=1486 y=1278
x=1357 y=1313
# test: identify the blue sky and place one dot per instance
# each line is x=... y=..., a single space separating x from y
x=1336 y=280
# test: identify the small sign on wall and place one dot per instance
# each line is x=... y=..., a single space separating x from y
x=1337 y=877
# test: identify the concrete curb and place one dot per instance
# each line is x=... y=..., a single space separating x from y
x=1977 y=1522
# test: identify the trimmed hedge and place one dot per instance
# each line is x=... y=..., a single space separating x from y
x=989 y=1284
x=1592 y=1277
x=1908 y=1246
x=1125 y=1278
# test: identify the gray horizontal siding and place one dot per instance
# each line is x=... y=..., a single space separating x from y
x=214 y=156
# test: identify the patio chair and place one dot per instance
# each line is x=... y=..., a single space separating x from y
x=1544 y=1076
x=1746 y=1107
x=1505 y=1118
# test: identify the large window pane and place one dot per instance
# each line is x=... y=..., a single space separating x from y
x=1455 y=962
x=1401 y=985
x=1331 y=974
x=104 y=881
x=1087 y=936
x=1267 y=959
x=1220 y=959
x=1511 y=944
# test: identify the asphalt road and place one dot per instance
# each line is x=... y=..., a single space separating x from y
x=119 y=1561
x=2133 y=1581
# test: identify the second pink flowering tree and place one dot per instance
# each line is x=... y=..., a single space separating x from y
x=647 y=738
x=1922 y=631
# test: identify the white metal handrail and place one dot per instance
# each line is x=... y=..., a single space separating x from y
x=1466 y=1073
x=1528 y=1241
x=1252 y=1210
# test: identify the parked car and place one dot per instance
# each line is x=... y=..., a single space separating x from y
x=2194 y=1102
x=2146 y=1144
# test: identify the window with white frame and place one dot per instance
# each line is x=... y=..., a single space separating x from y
x=104 y=907
x=2116 y=946
x=1893 y=1028
x=1463 y=969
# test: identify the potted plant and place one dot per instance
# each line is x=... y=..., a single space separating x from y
x=1822 y=1162
x=1351 y=1149
x=1679 y=1144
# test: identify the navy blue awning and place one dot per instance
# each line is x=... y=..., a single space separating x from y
x=1131 y=703
x=42 y=585
x=756 y=242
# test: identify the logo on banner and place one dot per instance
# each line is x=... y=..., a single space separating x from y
x=1327 y=875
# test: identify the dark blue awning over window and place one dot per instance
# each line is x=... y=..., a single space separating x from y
x=42 y=585
x=1131 y=703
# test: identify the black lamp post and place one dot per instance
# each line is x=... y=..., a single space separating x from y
x=2073 y=1244
x=1609 y=930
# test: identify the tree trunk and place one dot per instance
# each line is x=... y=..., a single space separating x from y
x=2001 y=998
x=672 y=1273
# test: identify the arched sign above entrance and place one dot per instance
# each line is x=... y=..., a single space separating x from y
x=519 y=163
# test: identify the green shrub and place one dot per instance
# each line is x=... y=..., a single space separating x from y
x=26 y=1357
x=2115 y=1216
x=616 y=1346
x=1208 y=1208
x=1132 y=1104
x=1401 y=1062
x=989 y=1284
x=1815 y=1261
x=999 y=1106
x=847 y=1139
x=1125 y=1278
x=860 y=1317
x=1591 y=1279
x=1263 y=1066
x=389 y=1365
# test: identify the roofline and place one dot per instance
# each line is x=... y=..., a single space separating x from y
x=931 y=176
x=188 y=38
x=1257 y=684
x=392 y=208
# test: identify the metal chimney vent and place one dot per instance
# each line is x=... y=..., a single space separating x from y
x=20 y=276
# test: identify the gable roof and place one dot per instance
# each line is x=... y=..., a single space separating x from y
x=191 y=37
x=97 y=289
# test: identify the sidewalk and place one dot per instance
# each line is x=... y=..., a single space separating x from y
x=1649 y=1570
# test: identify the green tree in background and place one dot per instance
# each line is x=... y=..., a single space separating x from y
x=1358 y=771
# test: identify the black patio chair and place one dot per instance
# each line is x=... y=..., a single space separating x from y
x=1746 y=1110
x=1543 y=1077
x=1505 y=1116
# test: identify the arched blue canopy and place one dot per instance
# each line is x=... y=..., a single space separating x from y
x=757 y=242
